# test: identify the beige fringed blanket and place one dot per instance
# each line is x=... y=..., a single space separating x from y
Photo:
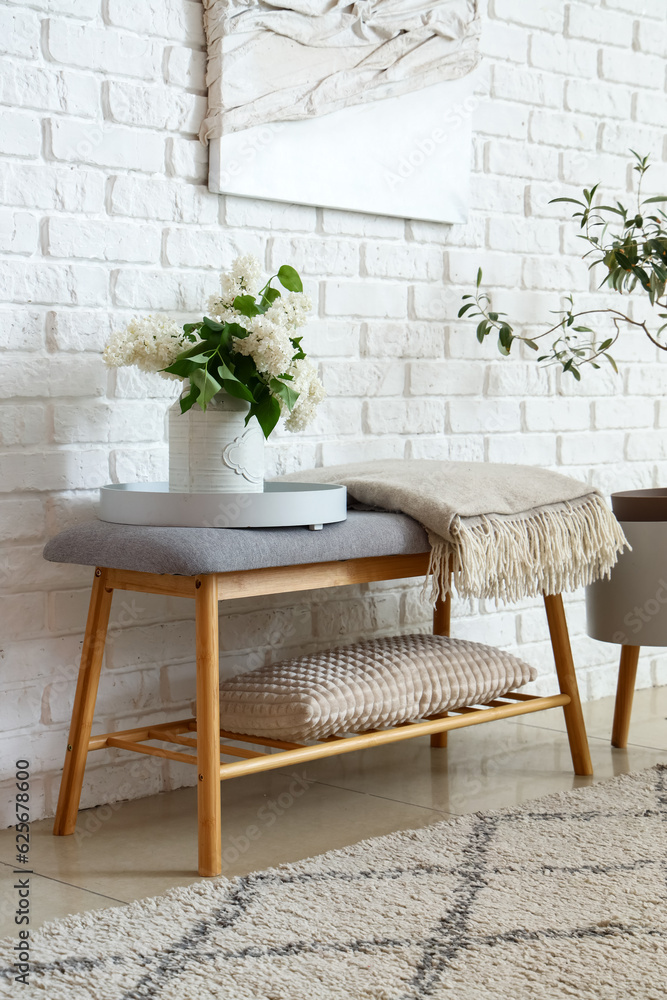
x=511 y=531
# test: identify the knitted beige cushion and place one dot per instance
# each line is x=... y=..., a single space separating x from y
x=372 y=684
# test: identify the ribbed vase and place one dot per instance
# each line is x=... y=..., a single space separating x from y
x=213 y=451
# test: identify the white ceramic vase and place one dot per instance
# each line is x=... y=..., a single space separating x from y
x=213 y=451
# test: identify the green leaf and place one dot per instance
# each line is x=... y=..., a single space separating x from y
x=289 y=279
x=187 y=402
x=482 y=330
x=270 y=296
x=531 y=343
x=572 y=201
x=267 y=412
x=212 y=324
x=464 y=309
x=612 y=362
x=606 y=344
x=505 y=337
x=237 y=389
x=479 y=276
x=652 y=201
x=207 y=385
x=246 y=305
x=288 y=395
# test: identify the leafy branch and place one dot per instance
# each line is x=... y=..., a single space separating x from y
x=631 y=247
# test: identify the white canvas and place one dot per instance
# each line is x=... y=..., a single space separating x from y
x=364 y=107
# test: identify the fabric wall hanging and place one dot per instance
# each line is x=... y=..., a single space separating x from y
x=362 y=106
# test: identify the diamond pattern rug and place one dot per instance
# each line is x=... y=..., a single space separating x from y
x=564 y=897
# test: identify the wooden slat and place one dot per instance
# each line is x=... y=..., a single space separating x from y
x=185 y=758
x=240 y=751
x=268 y=762
x=311 y=576
x=100 y=742
x=262 y=741
x=151 y=583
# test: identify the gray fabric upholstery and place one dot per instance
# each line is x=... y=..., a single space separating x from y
x=188 y=551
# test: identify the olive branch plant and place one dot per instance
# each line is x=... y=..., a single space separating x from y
x=632 y=248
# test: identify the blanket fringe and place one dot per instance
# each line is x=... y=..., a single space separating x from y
x=549 y=551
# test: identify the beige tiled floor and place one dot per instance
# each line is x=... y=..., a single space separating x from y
x=144 y=847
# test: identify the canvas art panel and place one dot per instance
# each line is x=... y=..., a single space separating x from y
x=364 y=106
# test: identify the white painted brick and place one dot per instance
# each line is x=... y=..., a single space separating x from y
x=527 y=86
x=501 y=118
x=23 y=425
x=634 y=68
x=186 y=67
x=563 y=55
x=180 y=19
x=21 y=520
x=520 y=160
x=598 y=99
x=598 y=24
x=84 y=10
x=67 y=189
x=246 y=213
x=536 y=449
x=487 y=416
x=166 y=200
x=315 y=256
x=452 y=448
x=337 y=416
x=21 y=707
x=51 y=376
x=78 y=284
x=624 y=413
x=103 y=49
x=390 y=260
x=19 y=33
x=445 y=378
x=44 y=87
x=103 y=240
x=558 y=128
x=586 y=449
x=646 y=445
x=405 y=416
x=139 y=465
x=153 y=106
x=362 y=450
x=531 y=236
x=107 y=146
x=650 y=107
x=134 y=384
x=505 y=41
x=494 y=194
x=433 y=302
x=164 y=290
x=362 y=378
x=20 y=133
x=54 y=470
x=647 y=380
x=99 y=421
x=515 y=378
x=341 y=618
x=19 y=232
x=79 y=329
x=191 y=247
x=331 y=338
x=357 y=224
x=557 y=414
x=187 y=158
x=365 y=298
x=401 y=340
x=547 y=14
x=555 y=273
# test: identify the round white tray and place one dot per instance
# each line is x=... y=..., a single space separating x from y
x=280 y=505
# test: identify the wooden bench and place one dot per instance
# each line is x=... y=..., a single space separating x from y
x=210 y=565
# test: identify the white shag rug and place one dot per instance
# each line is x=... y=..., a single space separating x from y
x=564 y=897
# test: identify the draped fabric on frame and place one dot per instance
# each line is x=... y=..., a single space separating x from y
x=271 y=61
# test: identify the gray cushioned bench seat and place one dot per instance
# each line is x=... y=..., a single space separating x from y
x=189 y=551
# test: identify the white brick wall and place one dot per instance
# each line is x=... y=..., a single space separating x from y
x=104 y=210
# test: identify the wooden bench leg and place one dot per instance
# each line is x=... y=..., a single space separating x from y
x=567 y=679
x=442 y=618
x=84 y=705
x=625 y=690
x=208 y=725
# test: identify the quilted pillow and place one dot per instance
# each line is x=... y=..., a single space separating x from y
x=372 y=684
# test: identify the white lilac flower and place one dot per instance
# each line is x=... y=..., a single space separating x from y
x=243 y=279
x=305 y=381
x=149 y=342
x=268 y=344
x=290 y=310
